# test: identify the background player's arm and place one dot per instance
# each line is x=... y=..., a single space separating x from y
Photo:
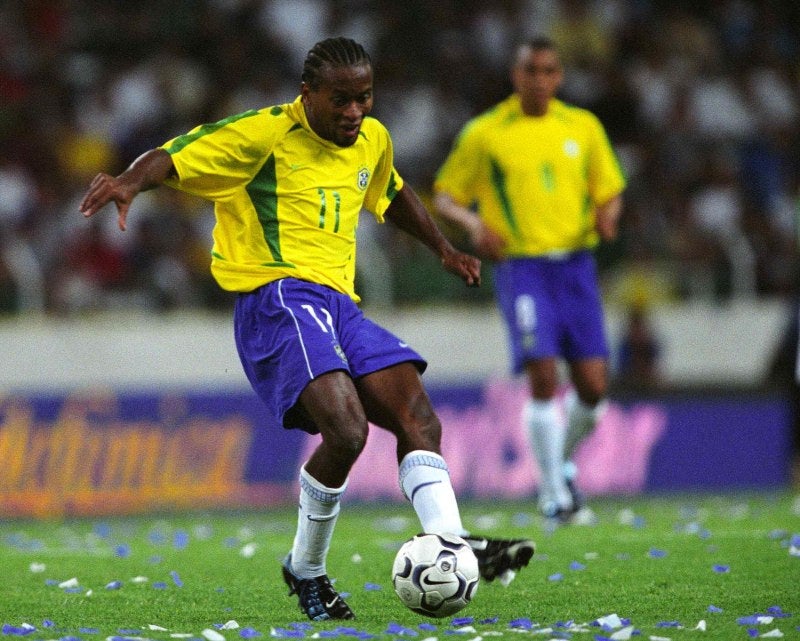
x=487 y=243
x=409 y=214
x=607 y=218
x=149 y=170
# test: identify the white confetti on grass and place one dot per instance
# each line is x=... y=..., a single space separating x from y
x=37 y=568
x=230 y=625
x=623 y=634
x=610 y=621
x=248 y=550
x=212 y=635
x=69 y=583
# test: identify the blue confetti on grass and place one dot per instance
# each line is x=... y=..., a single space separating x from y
x=668 y=624
x=88 y=630
x=114 y=585
x=489 y=620
x=459 y=621
x=555 y=577
x=176 y=579
x=284 y=633
x=396 y=628
x=656 y=553
x=523 y=623
x=748 y=620
x=159 y=585
x=427 y=627
x=181 y=540
x=777 y=611
x=249 y=633
x=722 y=569
x=372 y=587
x=123 y=551
x=575 y=565
x=714 y=608
x=18 y=630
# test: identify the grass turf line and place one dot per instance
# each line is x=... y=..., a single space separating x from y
x=664 y=563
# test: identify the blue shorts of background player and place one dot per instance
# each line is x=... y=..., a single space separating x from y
x=290 y=332
x=551 y=307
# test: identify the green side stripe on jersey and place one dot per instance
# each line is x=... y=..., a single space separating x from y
x=499 y=184
x=181 y=141
x=263 y=194
x=391 y=189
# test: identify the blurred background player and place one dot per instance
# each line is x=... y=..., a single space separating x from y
x=535 y=184
x=288 y=183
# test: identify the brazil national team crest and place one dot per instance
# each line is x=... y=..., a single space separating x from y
x=363 y=178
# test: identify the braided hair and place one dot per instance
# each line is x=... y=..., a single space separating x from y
x=336 y=52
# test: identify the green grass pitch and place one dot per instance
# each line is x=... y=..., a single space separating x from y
x=677 y=567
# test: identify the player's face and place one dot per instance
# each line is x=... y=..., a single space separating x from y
x=536 y=76
x=336 y=109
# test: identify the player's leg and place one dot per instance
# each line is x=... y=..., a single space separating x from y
x=395 y=399
x=586 y=352
x=332 y=403
x=544 y=421
x=585 y=402
x=298 y=372
x=525 y=298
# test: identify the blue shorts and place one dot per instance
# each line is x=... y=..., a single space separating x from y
x=552 y=308
x=290 y=331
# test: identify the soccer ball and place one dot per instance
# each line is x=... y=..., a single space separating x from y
x=435 y=574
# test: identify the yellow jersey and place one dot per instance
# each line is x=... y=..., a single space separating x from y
x=286 y=201
x=535 y=180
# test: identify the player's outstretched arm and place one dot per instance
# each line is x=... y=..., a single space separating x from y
x=486 y=243
x=409 y=214
x=146 y=172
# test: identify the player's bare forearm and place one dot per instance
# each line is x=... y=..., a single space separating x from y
x=486 y=243
x=409 y=214
x=607 y=218
x=148 y=171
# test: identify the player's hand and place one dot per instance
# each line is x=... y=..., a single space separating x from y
x=487 y=243
x=466 y=267
x=103 y=190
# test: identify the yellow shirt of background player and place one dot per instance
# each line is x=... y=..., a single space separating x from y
x=534 y=179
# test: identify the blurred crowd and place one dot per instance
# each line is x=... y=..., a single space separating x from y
x=700 y=99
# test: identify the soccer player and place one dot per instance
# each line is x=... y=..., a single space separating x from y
x=288 y=183
x=535 y=184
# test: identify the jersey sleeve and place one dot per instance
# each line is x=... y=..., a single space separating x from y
x=606 y=178
x=460 y=172
x=385 y=181
x=212 y=161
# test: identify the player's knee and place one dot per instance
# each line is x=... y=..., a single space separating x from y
x=345 y=432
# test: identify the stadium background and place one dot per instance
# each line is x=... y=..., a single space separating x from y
x=120 y=388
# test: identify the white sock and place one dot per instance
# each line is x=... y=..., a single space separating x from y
x=316 y=518
x=425 y=481
x=581 y=421
x=546 y=430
